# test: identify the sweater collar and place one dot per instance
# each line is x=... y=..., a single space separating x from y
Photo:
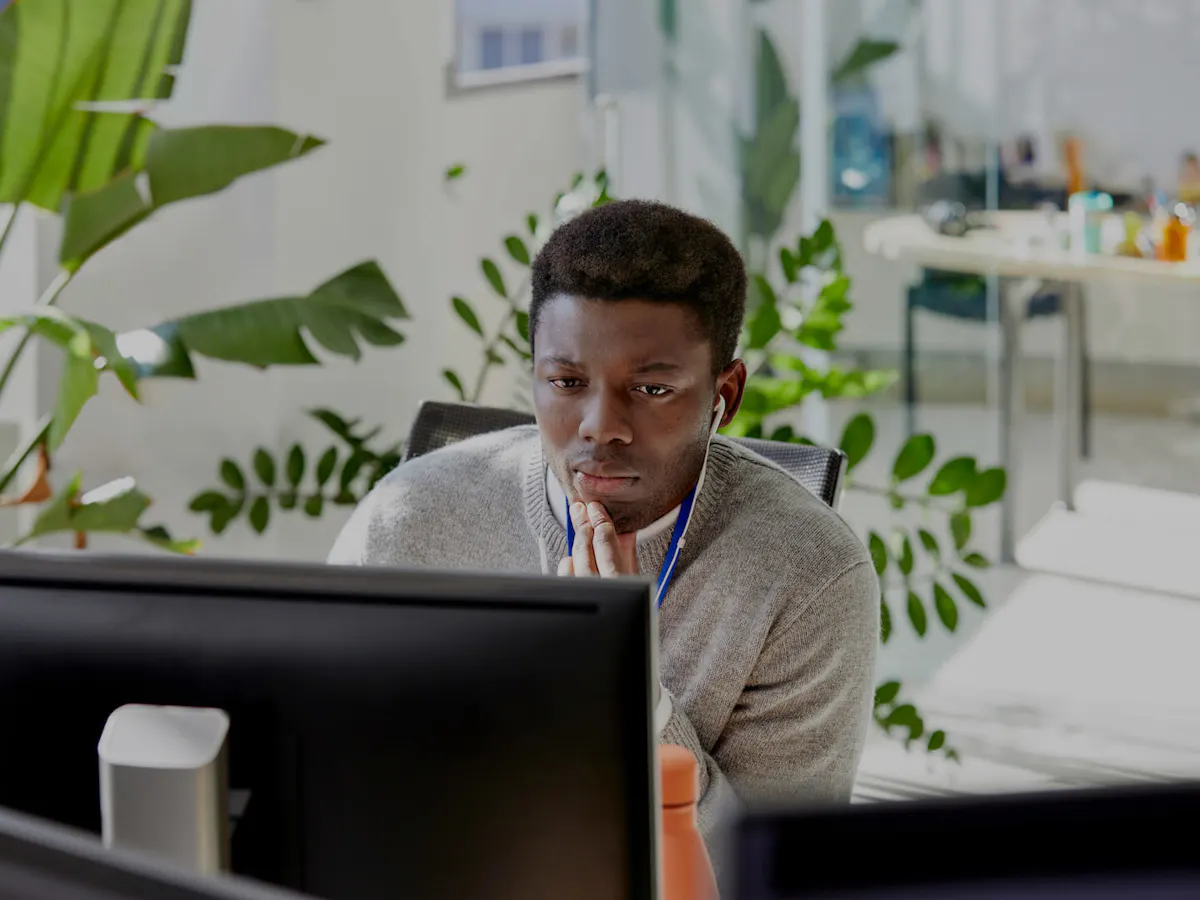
x=722 y=459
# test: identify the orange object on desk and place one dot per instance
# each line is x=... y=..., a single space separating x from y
x=1073 y=154
x=1174 y=245
x=687 y=870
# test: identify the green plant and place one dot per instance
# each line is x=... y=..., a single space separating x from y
x=770 y=161
x=64 y=71
x=339 y=475
x=925 y=565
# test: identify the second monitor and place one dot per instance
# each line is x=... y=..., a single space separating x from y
x=408 y=734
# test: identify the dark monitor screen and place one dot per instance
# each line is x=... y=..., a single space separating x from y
x=41 y=861
x=398 y=733
x=1133 y=841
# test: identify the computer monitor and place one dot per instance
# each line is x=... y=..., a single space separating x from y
x=400 y=733
x=1107 y=843
x=42 y=861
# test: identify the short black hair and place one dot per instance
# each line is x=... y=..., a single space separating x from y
x=644 y=250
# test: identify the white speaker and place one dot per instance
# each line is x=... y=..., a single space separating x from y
x=163 y=784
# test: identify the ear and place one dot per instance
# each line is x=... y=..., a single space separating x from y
x=731 y=385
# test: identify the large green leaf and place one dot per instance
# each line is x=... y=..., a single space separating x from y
x=95 y=218
x=191 y=162
x=770 y=161
x=346 y=311
x=180 y=164
x=770 y=80
x=57 y=56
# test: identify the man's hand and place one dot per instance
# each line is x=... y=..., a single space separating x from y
x=598 y=549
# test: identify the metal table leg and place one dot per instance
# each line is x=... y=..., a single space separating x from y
x=1012 y=401
x=1069 y=401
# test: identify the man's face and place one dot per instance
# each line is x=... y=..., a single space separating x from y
x=625 y=397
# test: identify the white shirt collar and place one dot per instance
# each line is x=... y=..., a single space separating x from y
x=557 y=498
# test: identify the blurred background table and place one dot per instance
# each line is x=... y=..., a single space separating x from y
x=1021 y=251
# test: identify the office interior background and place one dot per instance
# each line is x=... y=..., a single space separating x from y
x=1050 y=646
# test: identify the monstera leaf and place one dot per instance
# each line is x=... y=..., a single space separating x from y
x=60 y=63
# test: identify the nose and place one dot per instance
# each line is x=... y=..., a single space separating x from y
x=605 y=421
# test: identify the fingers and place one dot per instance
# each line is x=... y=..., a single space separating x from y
x=565 y=567
x=583 y=562
x=604 y=541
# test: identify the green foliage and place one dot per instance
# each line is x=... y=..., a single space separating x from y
x=508 y=340
x=913 y=458
x=916 y=614
x=355 y=460
x=866 y=53
x=770 y=160
x=107 y=172
x=892 y=712
x=351 y=309
x=115 y=508
x=55 y=59
x=180 y=164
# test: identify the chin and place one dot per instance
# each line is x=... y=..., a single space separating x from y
x=630 y=519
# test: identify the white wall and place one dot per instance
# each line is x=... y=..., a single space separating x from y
x=369 y=77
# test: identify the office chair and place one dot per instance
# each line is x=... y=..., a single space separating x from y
x=963 y=296
x=819 y=469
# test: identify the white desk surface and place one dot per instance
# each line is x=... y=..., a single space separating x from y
x=1006 y=250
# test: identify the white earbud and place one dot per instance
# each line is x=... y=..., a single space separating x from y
x=718 y=414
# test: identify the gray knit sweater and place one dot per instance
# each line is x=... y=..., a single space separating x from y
x=768 y=633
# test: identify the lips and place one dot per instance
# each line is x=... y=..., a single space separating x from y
x=602 y=481
x=598 y=470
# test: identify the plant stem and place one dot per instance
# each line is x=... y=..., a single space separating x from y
x=493 y=345
x=915 y=580
x=490 y=348
x=49 y=298
x=8 y=227
x=927 y=502
x=22 y=452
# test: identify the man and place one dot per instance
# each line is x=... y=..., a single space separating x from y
x=769 y=612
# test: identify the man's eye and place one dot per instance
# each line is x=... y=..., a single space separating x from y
x=654 y=390
x=565 y=383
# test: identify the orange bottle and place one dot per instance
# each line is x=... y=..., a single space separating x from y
x=687 y=870
x=1175 y=240
x=1073 y=152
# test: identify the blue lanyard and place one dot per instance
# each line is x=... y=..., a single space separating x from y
x=668 y=566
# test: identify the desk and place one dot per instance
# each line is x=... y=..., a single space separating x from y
x=1018 y=249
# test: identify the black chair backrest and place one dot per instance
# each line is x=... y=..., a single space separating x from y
x=437 y=425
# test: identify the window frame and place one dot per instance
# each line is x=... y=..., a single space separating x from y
x=460 y=81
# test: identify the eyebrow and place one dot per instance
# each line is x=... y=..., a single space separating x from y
x=659 y=367
x=653 y=367
x=563 y=361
